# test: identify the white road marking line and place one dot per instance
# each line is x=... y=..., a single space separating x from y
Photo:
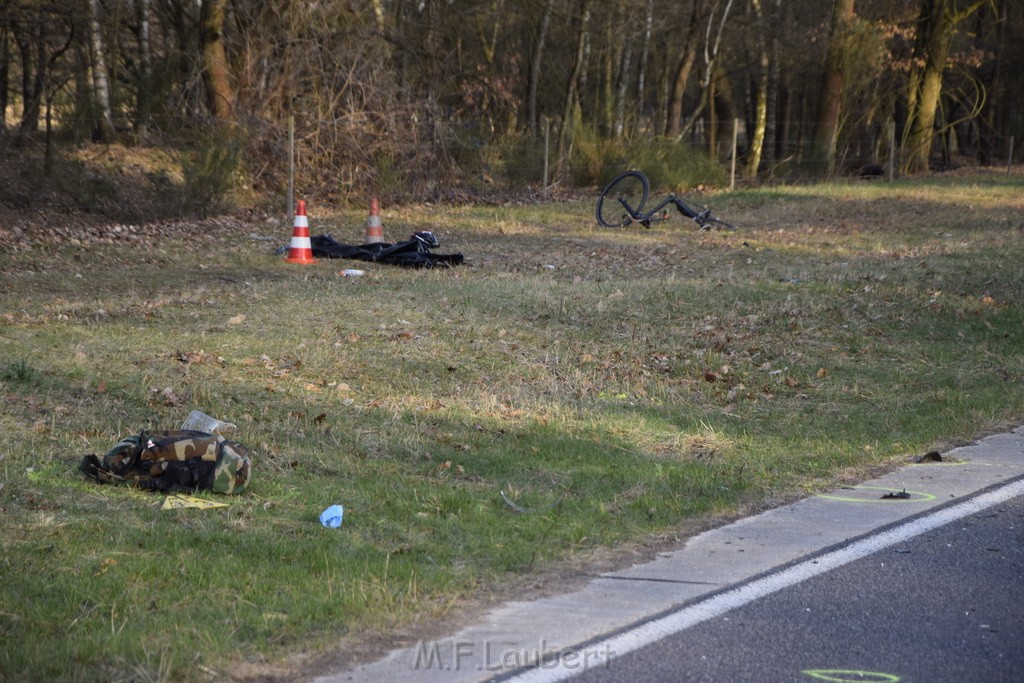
x=600 y=654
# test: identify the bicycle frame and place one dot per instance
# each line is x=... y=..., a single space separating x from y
x=645 y=219
x=630 y=190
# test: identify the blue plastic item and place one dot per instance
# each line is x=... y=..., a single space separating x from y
x=331 y=517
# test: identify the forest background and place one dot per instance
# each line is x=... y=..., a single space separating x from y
x=457 y=99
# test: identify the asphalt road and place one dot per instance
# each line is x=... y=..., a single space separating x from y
x=947 y=605
x=925 y=586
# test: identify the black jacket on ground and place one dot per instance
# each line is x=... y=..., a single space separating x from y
x=412 y=253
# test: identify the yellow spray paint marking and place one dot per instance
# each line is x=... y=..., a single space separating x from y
x=915 y=496
x=177 y=501
x=850 y=675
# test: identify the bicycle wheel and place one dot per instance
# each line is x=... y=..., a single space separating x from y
x=628 y=189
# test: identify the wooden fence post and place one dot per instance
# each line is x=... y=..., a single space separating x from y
x=547 y=141
x=291 y=168
x=890 y=164
x=735 y=135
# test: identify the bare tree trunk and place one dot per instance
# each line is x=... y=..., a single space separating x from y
x=771 y=129
x=100 y=77
x=488 y=37
x=571 y=92
x=33 y=40
x=712 y=120
x=991 y=34
x=220 y=93
x=832 y=86
x=31 y=96
x=757 y=138
x=625 y=66
x=645 y=50
x=710 y=63
x=378 y=15
x=661 y=108
x=5 y=75
x=938 y=22
x=83 y=84
x=581 y=87
x=785 y=120
x=489 y=43
x=724 y=106
x=143 y=96
x=185 y=48
x=612 y=54
x=687 y=58
x=761 y=97
x=535 y=67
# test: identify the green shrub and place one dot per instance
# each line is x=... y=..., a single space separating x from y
x=675 y=166
x=390 y=181
x=671 y=165
x=518 y=158
x=18 y=371
x=594 y=159
x=211 y=172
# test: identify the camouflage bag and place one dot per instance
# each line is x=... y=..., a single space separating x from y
x=174 y=460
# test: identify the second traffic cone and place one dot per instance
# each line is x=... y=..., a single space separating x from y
x=300 y=250
x=374 y=230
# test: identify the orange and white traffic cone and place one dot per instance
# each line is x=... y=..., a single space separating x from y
x=374 y=230
x=300 y=250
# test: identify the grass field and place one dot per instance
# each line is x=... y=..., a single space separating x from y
x=625 y=387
